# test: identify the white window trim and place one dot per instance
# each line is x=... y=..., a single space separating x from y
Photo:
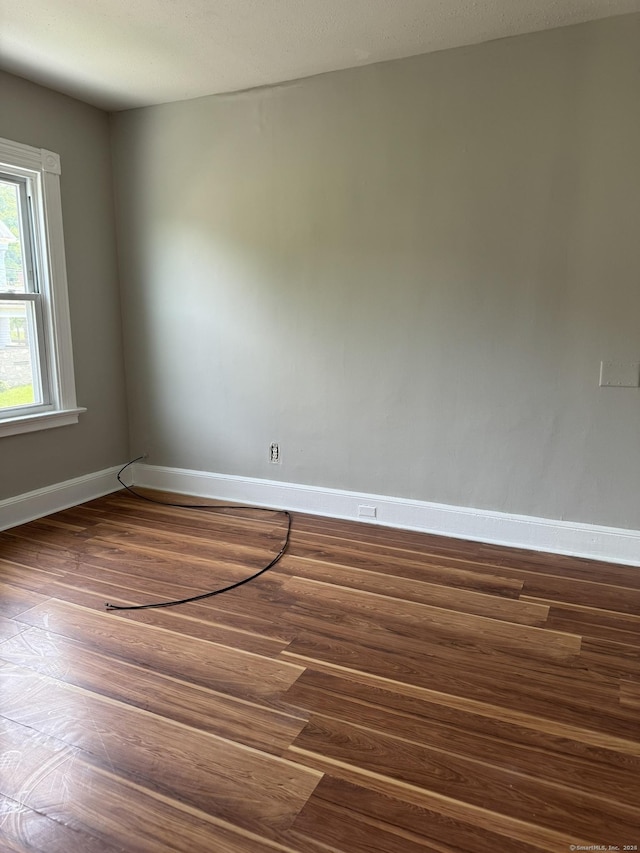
x=63 y=409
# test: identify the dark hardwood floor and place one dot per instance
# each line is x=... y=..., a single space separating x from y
x=377 y=691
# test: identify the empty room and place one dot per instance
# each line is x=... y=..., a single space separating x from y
x=319 y=426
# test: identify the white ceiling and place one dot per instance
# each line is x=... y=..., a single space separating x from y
x=126 y=53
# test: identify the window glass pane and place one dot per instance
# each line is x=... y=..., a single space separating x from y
x=12 y=267
x=19 y=385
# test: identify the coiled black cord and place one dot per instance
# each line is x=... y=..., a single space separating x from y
x=210 y=508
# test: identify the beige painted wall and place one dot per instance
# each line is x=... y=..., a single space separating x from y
x=407 y=274
x=80 y=134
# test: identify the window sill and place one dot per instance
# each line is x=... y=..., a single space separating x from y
x=43 y=420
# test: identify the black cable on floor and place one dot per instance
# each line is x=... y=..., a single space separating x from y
x=210 y=508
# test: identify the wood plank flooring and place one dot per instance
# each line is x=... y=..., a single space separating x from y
x=378 y=691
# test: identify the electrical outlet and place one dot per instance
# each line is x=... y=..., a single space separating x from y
x=366 y=511
x=274 y=453
x=620 y=374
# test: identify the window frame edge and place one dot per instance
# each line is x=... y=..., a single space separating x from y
x=63 y=408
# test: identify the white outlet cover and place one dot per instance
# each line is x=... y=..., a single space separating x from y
x=365 y=511
x=620 y=374
x=275 y=454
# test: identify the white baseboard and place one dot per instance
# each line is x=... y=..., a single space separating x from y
x=611 y=544
x=32 y=505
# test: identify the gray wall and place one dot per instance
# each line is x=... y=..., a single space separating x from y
x=407 y=274
x=80 y=134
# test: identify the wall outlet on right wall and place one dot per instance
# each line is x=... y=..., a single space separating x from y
x=620 y=374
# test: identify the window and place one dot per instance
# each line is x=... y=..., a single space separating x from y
x=37 y=387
